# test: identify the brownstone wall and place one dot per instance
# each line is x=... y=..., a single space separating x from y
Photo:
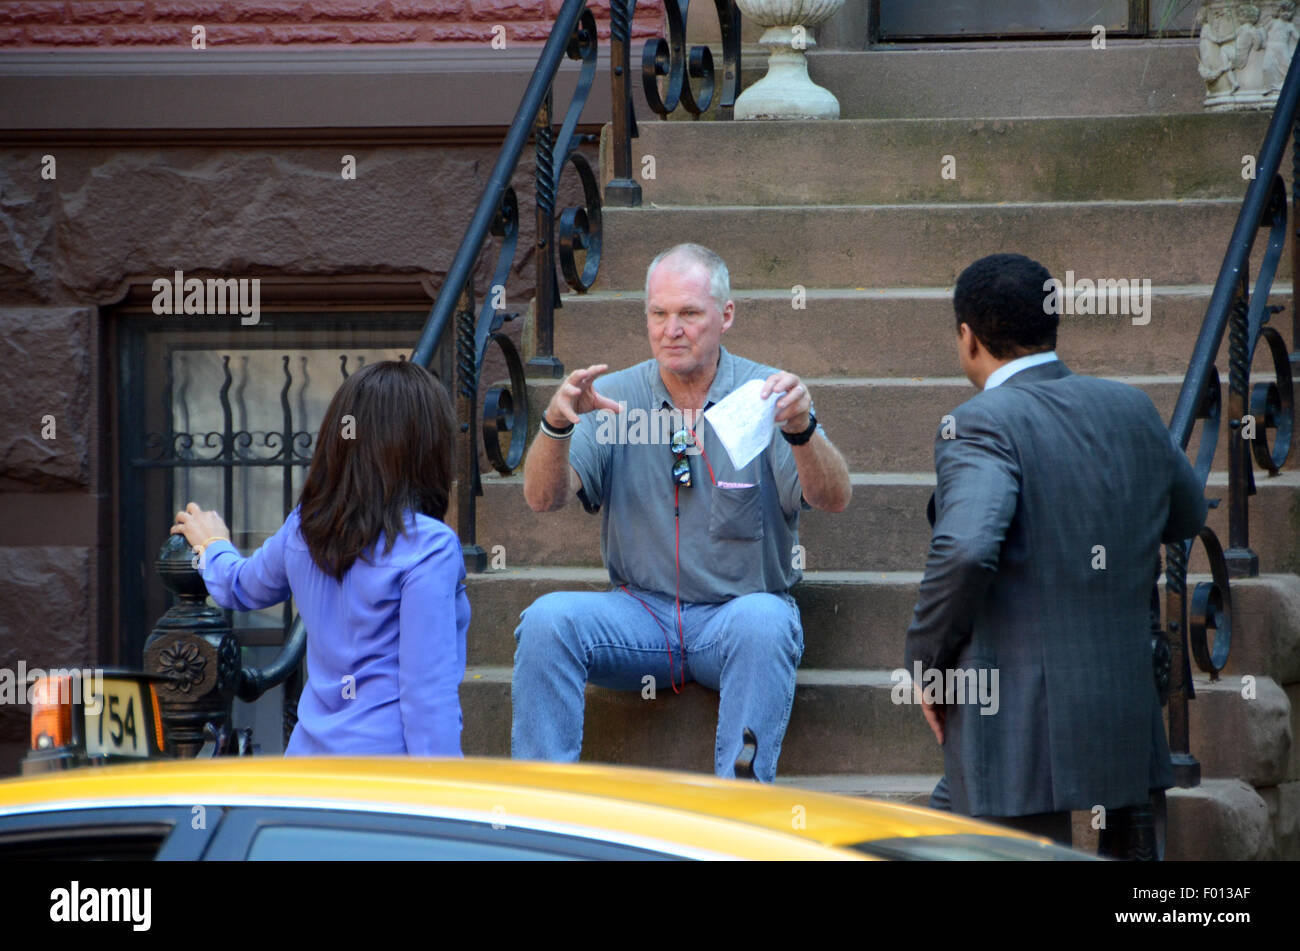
x=290 y=23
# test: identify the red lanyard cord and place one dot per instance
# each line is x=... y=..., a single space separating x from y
x=677 y=593
x=677 y=601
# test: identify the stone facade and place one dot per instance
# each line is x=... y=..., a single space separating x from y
x=290 y=23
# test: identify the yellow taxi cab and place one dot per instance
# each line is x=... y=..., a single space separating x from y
x=101 y=783
x=271 y=807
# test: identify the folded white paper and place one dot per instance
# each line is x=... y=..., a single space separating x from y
x=743 y=422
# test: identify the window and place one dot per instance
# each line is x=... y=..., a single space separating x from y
x=325 y=834
x=112 y=833
x=212 y=411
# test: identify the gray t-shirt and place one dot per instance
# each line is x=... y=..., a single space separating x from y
x=738 y=536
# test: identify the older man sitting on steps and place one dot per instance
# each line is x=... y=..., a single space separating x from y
x=700 y=554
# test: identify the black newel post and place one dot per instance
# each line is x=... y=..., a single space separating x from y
x=192 y=645
x=622 y=191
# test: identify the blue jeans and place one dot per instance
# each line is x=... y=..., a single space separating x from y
x=747 y=649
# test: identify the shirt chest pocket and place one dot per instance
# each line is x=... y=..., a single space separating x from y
x=736 y=513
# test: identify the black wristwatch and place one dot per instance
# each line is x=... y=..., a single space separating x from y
x=798 y=439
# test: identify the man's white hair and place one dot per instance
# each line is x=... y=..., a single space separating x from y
x=719 y=278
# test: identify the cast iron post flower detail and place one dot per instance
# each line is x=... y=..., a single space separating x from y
x=183 y=665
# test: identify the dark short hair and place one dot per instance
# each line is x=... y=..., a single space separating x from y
x=1002 y=297
x=385 y=447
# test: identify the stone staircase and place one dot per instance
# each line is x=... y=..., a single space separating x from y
x=857 y=213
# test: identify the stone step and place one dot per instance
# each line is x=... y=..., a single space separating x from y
x=883 y=529
x=1069 y=78
x=1167 y=242
x=904 y=332
x=834 y=711
x=888 y=424
x=1002 y=79
x=899 y=161
x=1228 y=820
x=857 y=619
x=1241 y=727
x=847 y=721
x=1024 y=79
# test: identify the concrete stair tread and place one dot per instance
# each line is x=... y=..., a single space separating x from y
x=848 y=722
x=804 y=676
x=1287 y=478
x=1039 y=79
x=597 y=573
x=855 y=620
x=919 y=292
x=1120 y=204
x=885 y=331
x=958 y=382
x=1029 y=159
x=887 y=507
x=887 y=423
x=1168 y=241
x=677 y=731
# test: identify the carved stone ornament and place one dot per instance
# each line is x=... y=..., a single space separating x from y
x=1244 y=51
x=786 y=92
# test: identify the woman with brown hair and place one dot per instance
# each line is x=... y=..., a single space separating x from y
x=377 y=577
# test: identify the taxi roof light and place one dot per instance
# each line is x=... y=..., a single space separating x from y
x=51 y=712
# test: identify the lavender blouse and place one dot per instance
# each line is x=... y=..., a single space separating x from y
x=385 y=646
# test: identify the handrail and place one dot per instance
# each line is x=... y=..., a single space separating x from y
x=560 y=239
x=255 y=681
x=1259 y=198
x=1251 y=412
x=521 y=127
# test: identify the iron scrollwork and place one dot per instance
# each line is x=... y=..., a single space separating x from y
x=579 y=226
x=505 y=408
x=1273 y=407
x=1211 y=609
x=580 y=230
x=670 y=58
x=229 y=447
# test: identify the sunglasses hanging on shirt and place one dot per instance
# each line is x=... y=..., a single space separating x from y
x=682 y=440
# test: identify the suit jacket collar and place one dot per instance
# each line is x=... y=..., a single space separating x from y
x=1054 y=370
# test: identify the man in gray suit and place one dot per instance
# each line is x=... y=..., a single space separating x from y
x=1054 y=493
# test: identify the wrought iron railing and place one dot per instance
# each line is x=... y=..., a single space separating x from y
x=1244 y=313
x=573 y=239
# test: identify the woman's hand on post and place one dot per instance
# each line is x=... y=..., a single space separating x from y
x=200 y=527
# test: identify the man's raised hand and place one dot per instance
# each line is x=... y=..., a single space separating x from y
x=793 y=408
x=576 y=396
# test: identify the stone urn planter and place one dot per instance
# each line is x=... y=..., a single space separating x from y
x=786 y=92
x=1244 y=51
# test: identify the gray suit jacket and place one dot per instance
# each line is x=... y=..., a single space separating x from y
x=1041 y=471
